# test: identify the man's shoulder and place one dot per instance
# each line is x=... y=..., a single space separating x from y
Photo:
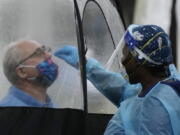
x=10 y=100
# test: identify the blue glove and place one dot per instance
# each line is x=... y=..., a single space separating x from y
x=131 y=90
x=173 y=71
x=69 y=54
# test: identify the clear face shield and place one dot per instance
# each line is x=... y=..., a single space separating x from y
x=120 y=53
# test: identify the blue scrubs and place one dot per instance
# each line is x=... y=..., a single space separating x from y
x=156 y=113
x=17 y=97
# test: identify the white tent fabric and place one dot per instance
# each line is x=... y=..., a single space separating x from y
x=153 y=12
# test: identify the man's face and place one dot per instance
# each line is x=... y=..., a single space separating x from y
x=33 y=53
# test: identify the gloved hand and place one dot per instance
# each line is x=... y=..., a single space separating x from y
x=131 y=90
x=173 y=71
x=69 y=54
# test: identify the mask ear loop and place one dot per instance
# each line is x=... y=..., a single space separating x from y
x=26 y=66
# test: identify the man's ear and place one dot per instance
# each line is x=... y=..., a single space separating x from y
x=21 y=72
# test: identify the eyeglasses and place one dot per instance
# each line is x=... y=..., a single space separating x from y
x=37 y=53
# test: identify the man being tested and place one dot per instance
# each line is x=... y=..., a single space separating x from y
x=29 y=68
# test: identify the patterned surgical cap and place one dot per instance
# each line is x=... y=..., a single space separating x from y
x=149 y=44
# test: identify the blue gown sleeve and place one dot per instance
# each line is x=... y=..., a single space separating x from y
x=173 y=72
x=111 y=85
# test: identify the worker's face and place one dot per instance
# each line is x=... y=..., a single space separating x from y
x=130 y=64
x=126 y=59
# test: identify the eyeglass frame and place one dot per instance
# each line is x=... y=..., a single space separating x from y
x=38 y=51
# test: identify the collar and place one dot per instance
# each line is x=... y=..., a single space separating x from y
x=144 y=93
x=28 y=99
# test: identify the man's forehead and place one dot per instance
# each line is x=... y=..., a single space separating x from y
x=28 y=47
x=34 y=43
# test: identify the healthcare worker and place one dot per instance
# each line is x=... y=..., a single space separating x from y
x=147 y=59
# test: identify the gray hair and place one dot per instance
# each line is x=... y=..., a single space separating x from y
x=12 y=57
